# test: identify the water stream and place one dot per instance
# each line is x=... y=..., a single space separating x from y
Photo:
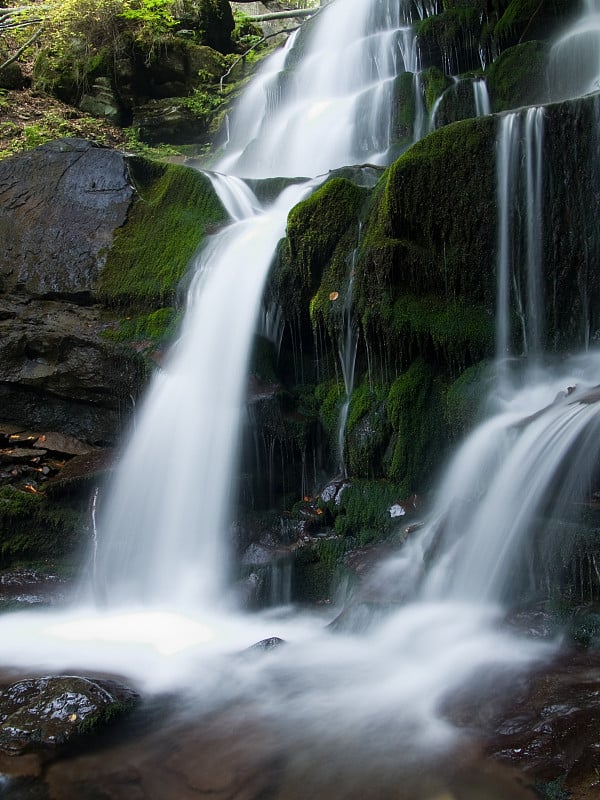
x=163 y=558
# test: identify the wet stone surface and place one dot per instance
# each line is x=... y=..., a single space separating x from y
x=48 y=712
x=28 y=587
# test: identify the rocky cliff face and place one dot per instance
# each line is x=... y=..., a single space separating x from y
x=61 y=205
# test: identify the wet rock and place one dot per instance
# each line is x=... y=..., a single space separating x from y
x=45 y=713
x=24 y=587
x=61 y=204
x=168 y=120
x=61 y=443
x=81 y=471
x=265 y=645
x=333 y=491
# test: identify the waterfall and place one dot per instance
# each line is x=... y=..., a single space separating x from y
x=164 y=523
x=520 y=195
x=317 y=106
x=481 y=98
x=351 y=701
x=347 y=354
x=575 y=56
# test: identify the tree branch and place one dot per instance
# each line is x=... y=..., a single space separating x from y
x=23 y=47
x=313 y=12
x=299 y=12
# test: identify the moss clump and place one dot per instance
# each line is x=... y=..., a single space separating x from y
x=174 y=209
x=464 y=398
x=32 y=527
x=420 y=233
x=367 y=431
x=404 y=111
x=415 y=410
x=363 y=511
x=450 y=40
x=434 y=83
x=530 y=19
x=322 y=231
x=518 y=77
x=329 y=397
x=156 y=327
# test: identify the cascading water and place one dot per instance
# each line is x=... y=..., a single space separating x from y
x=344 y=92
x=164 y=528
x=519 y=253
x=164 y=537
x=575 y=56
x=347 y=353
x=481 y=98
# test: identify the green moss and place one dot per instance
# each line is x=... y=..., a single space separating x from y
x=156 y=327
x=404 y=110
x=415 y=411
x=367 y=431
x=316 y=224
x=363 y=511
x=465 y=396
x=434 y=83
x=167 y=222
x=450 y=40
x=329 y=397
x=531 y=19
x=33 y=527
x=518 y=77
x=420 y=237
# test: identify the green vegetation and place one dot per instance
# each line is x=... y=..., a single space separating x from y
x=434 y=83
x=175 y=208
x=33 y=527
x=518 y=76
x=415 y=410
x=363 y=511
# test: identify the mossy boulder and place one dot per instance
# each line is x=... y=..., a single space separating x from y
x=425 y=271
x=518 y=77
x=11 y=77
x=313 y=259
x=521 y=20
x=173 y=209
x=450 y=40
x=47 y=713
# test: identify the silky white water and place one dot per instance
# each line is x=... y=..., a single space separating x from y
x=325 y=100
x=575 y=56
x=162 y=561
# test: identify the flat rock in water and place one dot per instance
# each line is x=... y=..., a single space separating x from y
x=42 y=713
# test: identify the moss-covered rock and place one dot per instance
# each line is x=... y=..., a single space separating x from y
x=522 y=20
x=450 y=40
x=32 y=527
x=415 y=410
x=313 y=261
x=518 y=77
x=174 y=208
x=425 y=273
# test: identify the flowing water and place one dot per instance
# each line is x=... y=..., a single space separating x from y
x=575 y=56
x=162 y=559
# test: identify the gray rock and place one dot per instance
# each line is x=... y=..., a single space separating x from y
x=47 y=712
x=59 y=207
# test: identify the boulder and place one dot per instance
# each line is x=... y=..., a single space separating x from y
x=60 y=206
x=46 y=713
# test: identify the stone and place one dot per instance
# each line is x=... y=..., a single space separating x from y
x=61 y=443
x=59 y=207
x=48 y=712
